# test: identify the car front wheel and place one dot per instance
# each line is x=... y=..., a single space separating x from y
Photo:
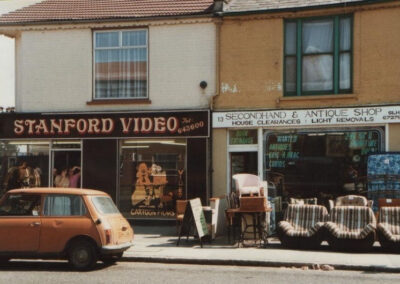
x=82 y=255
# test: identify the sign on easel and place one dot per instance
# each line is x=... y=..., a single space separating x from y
x=194 y=221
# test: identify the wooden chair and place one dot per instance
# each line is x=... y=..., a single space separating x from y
x=232 y=219
x=180 y=213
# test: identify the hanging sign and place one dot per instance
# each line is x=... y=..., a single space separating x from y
x=307 y=117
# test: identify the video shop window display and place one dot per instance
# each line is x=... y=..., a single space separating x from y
x=23 y=164
x=152 y=177
x=322 y=164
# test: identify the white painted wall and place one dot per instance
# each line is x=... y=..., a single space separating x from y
x=7 y=55
x=54 y=69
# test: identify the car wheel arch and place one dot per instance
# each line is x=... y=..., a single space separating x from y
x=78 y=239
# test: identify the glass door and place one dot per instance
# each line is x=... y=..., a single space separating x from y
x=243 y=162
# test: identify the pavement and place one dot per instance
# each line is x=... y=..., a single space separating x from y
x=159 y=244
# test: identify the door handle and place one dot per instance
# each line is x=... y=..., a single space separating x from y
x=35 y=224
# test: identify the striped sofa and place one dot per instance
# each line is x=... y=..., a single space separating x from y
x=301 y=226
x=389 y=228
x=351 y=228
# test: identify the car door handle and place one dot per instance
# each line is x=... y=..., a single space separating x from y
x=35 y=224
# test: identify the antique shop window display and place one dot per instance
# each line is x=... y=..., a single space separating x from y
x=23 y=164
x=322 y=164
x=152 y=177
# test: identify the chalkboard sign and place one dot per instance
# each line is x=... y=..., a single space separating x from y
x=194 y=221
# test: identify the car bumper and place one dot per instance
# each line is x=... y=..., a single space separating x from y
x=115 y=248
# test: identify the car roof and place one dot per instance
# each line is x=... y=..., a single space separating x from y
x=58 y=190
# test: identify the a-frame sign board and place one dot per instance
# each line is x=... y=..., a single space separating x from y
x=194 y=221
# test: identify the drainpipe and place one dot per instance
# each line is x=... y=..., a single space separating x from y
x=217 y=10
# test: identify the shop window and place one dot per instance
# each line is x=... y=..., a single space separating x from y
x=24 y=164
x=152 y=177
x=121 y=64
x=321 y=164
x=318 y=56
x=243 y=137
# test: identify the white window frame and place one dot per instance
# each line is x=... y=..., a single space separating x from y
x=94 y=48
x=258 y=148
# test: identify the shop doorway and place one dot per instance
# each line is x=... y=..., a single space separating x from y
x=66 y=161
x=243 y=162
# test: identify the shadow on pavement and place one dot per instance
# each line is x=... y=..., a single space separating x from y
x=43 y=265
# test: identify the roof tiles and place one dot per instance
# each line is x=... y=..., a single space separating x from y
x=81 y=10
x=259 y=5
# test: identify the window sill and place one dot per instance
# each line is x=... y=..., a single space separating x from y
x=317 y=98
x=119 y=102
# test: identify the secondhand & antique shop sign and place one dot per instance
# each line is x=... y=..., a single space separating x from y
x=308 y=117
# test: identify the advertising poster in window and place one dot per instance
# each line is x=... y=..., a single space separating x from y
x=152 y=177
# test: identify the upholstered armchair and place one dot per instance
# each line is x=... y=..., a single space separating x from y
x=249 y=184
x=389 y=228
x=303 y=201
x=351 y=228
x=301 y=226
x=350 y=200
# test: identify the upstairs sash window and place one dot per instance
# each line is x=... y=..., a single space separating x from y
x=318 y=56
x=121 y=64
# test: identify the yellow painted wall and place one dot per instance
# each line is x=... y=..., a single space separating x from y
x=251 y=60
x=394 y=137
x=219 y=148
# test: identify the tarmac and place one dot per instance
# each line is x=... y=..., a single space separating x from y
x=159 y=244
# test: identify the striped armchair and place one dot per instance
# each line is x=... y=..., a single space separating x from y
x=389 y=228
x=351 y=228
x=301 y=226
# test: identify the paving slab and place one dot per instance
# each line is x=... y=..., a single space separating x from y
x=153 y=245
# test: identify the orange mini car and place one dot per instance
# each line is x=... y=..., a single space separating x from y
x=78 y=224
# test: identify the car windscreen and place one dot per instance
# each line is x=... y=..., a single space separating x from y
x=104 y=205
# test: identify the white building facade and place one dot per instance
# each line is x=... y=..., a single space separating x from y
x=124 y=101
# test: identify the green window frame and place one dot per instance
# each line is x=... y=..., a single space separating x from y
x=318 y=55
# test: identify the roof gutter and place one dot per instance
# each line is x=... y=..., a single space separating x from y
x=295 y=9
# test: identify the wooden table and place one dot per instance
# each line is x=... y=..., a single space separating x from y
x=257 y=224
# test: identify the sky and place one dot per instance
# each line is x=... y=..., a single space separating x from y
x=7 y=66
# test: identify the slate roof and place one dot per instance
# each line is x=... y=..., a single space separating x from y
x=233 y=6
x=84 y=10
